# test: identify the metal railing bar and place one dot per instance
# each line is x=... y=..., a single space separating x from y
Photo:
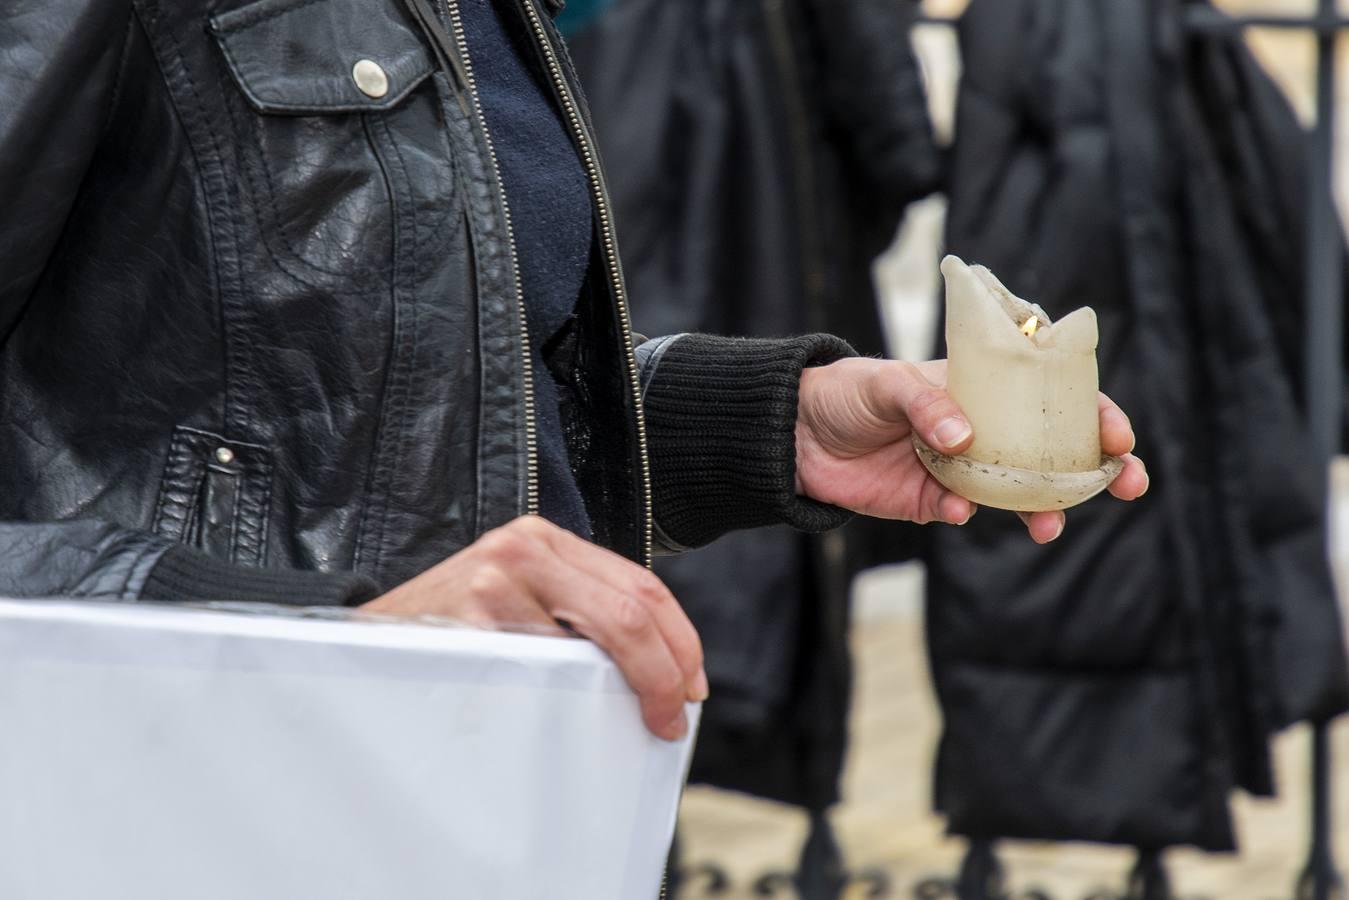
x=1206 y=19
x=1324 y=380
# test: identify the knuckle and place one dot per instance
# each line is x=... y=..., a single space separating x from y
x=488 y=583
x=907 y=371
x=505 y=544
x=532 y=526
x=650 y=589
x=877 y=385
x=883 y=380
x=928 y=401
x=631 y=619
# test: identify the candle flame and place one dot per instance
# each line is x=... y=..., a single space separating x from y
x=1032 y=325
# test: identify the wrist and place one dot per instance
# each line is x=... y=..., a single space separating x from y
x=805 y=436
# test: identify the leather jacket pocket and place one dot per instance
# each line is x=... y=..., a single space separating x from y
x=303 y=80
x=216 y=495
x=298 y=57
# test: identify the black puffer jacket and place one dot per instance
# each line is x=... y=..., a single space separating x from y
x=762 y=153
x=1116 y=685
x=253 y=307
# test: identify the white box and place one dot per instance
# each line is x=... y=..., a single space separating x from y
x=160 y=753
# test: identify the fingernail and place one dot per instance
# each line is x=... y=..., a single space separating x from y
x=1147 y=483
x=1063 y=521
x=952 y=432
x=678 y=727
x=700 y=690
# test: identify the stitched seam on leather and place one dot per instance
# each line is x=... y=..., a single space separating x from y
x=411 y=201
x=489 y=240
x=377 y=475
x=157 y=520
x=403 y=266
x=374 y=514
x=116 y=95
x=372 y=477
x=237 y=516
x=231 y=364
x=444 y=91
x=407 y=268
x=252 y=500
x=187 y=468
x=213 y=472
x=139 y=570
x=192 y=519
x=268 y=202
x=245 y=85
x=246 y=22
x=359 y=273
x=455 y=118
x=239 y=78
x=264 y=473
x=179 y=476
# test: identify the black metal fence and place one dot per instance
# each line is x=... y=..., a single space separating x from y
x=821 y=874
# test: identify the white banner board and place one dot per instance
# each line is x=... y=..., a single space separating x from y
x=158 y=753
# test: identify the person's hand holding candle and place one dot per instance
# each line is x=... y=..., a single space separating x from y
x=858 y=419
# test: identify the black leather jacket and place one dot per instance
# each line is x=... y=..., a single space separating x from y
x=251 y=307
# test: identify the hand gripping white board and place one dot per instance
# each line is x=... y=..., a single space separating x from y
x=159 y=753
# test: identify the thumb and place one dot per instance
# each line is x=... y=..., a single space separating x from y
x=930 y=411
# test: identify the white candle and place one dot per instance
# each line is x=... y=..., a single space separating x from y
x=1029 y=386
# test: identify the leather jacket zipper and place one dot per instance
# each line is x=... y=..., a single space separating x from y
x=463 y=67
x=614 y=270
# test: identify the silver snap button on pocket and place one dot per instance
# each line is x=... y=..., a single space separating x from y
x=370 y=78
x=224 y=455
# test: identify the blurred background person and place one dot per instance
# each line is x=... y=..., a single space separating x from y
x=1119 y=686
x=1134 y=674
x=760 y=157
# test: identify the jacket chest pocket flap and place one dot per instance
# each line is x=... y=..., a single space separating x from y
x=302 y=80
x=322 y=57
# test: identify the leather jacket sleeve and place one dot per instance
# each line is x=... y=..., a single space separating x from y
x=872 y=89
x=58 y=64
x=93 y=560
x=59 y=73
x=86 y=559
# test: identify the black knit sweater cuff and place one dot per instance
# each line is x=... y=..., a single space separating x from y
x=721 y=421
x=183 y=575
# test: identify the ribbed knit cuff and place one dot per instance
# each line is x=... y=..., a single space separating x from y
x=721 y=421
x=183 y=575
